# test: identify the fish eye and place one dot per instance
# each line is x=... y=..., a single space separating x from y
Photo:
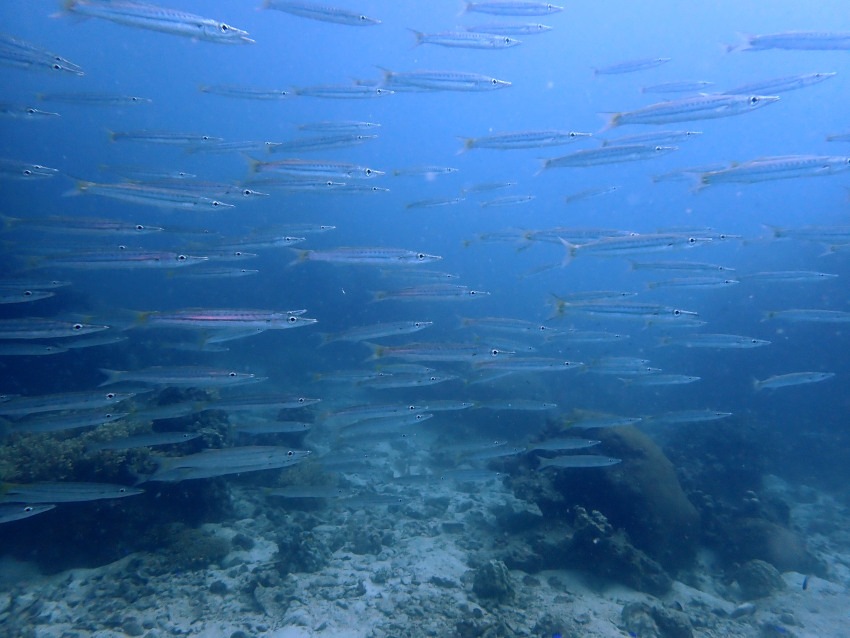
x=181 y=257
x=692 y=240
x=363 y=18
x=572 y=134
x=754 y=100
x=31 y=111
x=216 y=203
x=231 y=374
x=139 y=227
x=472 y=293
x=122 y=247
x=494 y=81
x=507 y=40
x=247 y=191
x=28 y=508
x=27 y=171
x=420 y=256
x=237 y=253
x=77 y=326
x=754 y=340
x=368 y=171
x=676 y=313
x=292 y=319
x=27 y=293
x=411 y=407
x=290 y=453
x=57 y=67
x=122 y=490
x=494 y=352
x=418 y=417
x=110 y=395
x=300 y=399
x=223 y=28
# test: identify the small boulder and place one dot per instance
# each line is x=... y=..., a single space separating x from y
x=758 y=579
x=493 y=580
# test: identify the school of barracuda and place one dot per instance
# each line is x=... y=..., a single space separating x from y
x=619 y=337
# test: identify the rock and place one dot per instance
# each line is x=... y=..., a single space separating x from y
x=366 y=542
x=757 y=538
x=301 y=551
x=524 y=558
x=132 y=627
x=641 y=495
x=492 y=580
x=240 y=541
x=758 y=579
x=672 y=623
x=218 y=587
x=646 y=621
x=638 y=621
x=772 y=630
x=598 y=548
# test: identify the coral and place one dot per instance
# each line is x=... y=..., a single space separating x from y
x=641 y=495
x=300 y=551
x=758 y=579
x=756 y=538
x=492 y=580
x=179 y=548
x=598 y=548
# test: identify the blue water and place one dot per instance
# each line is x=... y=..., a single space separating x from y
x=796 y=431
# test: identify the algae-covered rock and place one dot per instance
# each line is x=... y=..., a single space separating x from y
x=492 y=580
x=652 y=621
x=641 y=495
x=598 y=548
x=180 y=548
x=757 y=538
x=301 y=551
x=758 y=579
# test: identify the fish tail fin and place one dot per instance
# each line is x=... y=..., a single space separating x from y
x=112 y=376
x=377 y=351
x=743 y=43
x=80 y=187
x=419 y=37
x=387 y=73
x=569 y=252
x=467 y=144
x=67 y=8
x=253 y=163
x=300 y=256
x=757 y=385
x=558 y=306
x=613 y=121
x=776 y=231
x=543 y=166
